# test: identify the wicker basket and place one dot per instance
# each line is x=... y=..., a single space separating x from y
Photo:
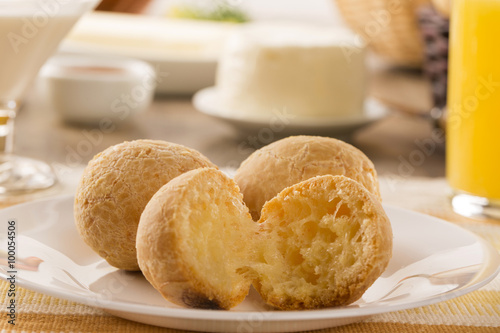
x=443 y=7
x=390 y=27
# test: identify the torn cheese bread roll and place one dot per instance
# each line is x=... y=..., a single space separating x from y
x=319 y=243
x=323 y=242
x=195 y=241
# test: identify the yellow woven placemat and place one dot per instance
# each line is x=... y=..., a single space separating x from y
x=478 y=311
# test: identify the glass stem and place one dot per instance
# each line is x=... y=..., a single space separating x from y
x=7 y=116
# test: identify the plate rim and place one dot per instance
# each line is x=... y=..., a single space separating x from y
x=276 y=316
x=209 y=93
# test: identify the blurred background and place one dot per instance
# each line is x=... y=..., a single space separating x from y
x=400 y=128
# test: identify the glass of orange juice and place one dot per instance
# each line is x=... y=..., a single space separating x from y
x=473 y=124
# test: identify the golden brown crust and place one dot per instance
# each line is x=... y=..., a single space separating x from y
x=116 y=186
x=291 y=160
x=324 y=242
x=194 y=240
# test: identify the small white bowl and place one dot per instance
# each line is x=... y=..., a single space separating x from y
x=94 y=90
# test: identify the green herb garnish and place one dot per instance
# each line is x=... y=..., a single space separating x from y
x=219 y=12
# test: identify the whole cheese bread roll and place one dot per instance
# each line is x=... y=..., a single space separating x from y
x=324 y=241
x=195 y=241
x=116 y=186
x=286 y=162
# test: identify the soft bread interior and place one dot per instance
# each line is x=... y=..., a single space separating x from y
x=323 y=242
x=194 y=241
x=216 y=237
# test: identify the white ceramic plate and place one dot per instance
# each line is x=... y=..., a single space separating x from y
x=184 y=52
x=433 y=261
x=282 y=124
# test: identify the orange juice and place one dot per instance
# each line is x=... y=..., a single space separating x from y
x=473 y=127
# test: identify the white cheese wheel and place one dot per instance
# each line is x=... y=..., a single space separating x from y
x=306 y=70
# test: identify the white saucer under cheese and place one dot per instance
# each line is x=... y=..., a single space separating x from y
x=306 y=70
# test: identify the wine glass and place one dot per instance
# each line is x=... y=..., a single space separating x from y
x=30 y=31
